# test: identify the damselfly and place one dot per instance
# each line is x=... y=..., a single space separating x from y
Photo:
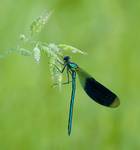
x=93 y=88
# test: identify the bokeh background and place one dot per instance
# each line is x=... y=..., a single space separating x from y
x=33 y=115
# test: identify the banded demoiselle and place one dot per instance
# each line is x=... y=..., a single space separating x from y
x=93 y=88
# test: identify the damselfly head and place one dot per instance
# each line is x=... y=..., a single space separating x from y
x=66 y=58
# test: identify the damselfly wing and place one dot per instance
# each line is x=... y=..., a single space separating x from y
x=96 y=90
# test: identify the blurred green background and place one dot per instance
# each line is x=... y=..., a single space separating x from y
x=33 y=115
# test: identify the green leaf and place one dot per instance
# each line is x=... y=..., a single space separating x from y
x=65 y=47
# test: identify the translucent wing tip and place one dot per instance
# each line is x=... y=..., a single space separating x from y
x=115 y=103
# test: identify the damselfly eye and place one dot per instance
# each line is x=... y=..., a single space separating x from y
x=66 y=58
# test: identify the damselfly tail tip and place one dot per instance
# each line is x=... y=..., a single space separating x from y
x=69 y=129
x=115 y=103
x=69 y=132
